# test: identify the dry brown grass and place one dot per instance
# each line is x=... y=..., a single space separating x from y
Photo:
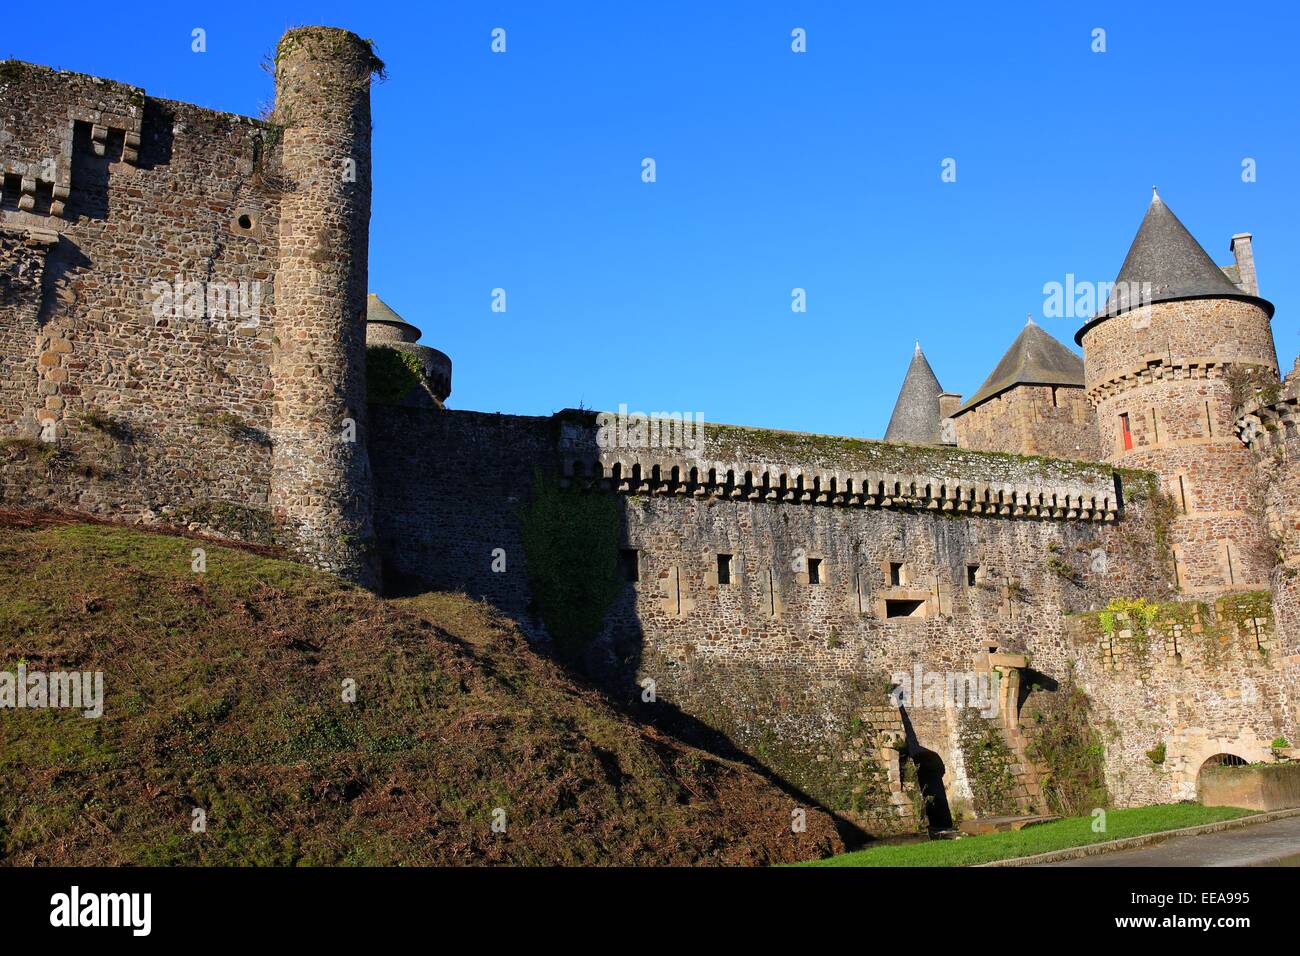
x=223 y=691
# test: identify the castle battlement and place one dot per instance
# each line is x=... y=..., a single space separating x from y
x=826 y=470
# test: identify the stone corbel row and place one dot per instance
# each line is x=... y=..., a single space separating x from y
x=1260 y=424
x=869 y=490
x=1155 y=369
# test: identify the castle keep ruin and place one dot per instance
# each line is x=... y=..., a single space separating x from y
x=1109 y=541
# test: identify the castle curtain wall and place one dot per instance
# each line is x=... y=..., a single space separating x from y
x=108 y=194
x=794 y=673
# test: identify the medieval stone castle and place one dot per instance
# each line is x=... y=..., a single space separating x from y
x=187 y=340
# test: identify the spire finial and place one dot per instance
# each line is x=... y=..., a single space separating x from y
x=918 y=347
x=1029 y=319
x=1155 y=196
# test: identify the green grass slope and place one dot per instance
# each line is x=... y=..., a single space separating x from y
x=224 y=691
x=1041 y=838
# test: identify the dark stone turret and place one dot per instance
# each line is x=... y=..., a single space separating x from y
x=916 y=414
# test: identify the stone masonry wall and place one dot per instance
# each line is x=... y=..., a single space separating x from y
x=1053 y=420
x=1269 y=423
x=449 y=486
x=1166 y=370
x=795 y=673
x=109 y=196
x=182 y=304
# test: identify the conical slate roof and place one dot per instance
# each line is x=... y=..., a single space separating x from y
x=377 y=310
x=916 y=413
x=1163 y=264
x=1035 y=358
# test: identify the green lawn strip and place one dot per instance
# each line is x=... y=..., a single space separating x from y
x=1042 y=838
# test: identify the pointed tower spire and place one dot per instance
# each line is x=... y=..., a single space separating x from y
x=916 y=413
x=1164 y=264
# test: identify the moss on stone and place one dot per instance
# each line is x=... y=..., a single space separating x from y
x=1145 y=619
x=11 y=71
x=742 y=442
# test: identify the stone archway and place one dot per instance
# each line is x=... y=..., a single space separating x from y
x=1218 y=796
x=1223 y=760
x=1192 y=750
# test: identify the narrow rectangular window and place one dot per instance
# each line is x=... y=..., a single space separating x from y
x=1054 y=405
x=771 y=593
x=629 y=564
x=724 y=569
x=1182 y=493
x=971 y=571
x=814 y=570
x=1227 y=551
x=1209 y=421
x=1126 y=436
x=895 y=574
x=857 y=588
x=1178 y=570
x=1155 y=427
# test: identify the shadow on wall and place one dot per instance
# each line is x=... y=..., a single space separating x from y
x=929 y=773
x=487 y=515
x=584 y=578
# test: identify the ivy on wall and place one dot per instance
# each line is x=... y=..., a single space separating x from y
x=390 y=374
x=988 y=762
x=570 y=541
x=1065 y=747
x=1134 y=622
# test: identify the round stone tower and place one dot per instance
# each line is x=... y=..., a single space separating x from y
x=320 y=474
x=1162 y=360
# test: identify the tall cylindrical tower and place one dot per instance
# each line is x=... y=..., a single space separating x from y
x=320 y=473
x=1160 y=362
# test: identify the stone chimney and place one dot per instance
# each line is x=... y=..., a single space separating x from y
x=949 y=402
x=1241 y=251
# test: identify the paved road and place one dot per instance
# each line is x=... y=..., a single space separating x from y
x=1264 y=844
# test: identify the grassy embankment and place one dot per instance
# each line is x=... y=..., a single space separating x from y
x=224 y=692
x=1057 y=835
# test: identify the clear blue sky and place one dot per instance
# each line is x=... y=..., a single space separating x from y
x=775 y=170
